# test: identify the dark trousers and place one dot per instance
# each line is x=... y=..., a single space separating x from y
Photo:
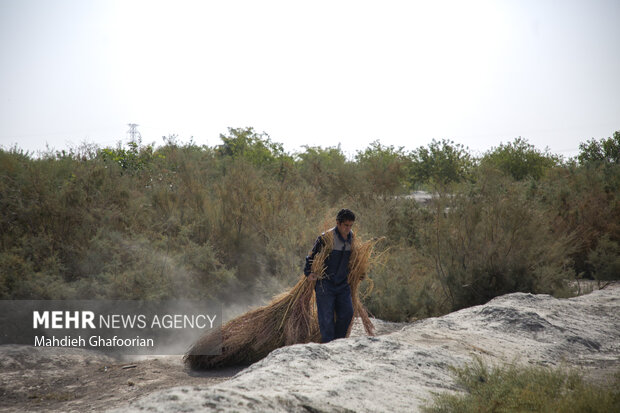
x=333 y=303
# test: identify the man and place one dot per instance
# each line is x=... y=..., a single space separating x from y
x=333 y=293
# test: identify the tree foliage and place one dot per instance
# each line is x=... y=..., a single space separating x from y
x=492 y=239
x=131 y=159
x=520 y=159
x=384 y=168
x=256 y=148
x=235 y=220
x=440 y=164
x=327 y=171
x=601 y=151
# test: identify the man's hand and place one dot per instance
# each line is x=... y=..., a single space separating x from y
x=313 y=277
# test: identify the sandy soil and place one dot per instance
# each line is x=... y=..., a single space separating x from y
x=75 y=380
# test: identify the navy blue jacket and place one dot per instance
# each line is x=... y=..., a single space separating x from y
x=337 y=263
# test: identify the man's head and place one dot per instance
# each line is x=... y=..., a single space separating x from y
x=344 y=221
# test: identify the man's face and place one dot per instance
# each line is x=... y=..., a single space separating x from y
x=344 y=228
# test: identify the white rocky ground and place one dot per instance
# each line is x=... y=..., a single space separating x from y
x=397 y=372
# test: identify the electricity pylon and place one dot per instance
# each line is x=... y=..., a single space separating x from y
x=134 y=133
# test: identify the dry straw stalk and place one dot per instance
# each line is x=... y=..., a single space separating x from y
x=290 y=318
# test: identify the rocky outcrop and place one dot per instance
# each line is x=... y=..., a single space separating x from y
x=400 y=370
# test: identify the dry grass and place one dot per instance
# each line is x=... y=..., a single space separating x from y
x=512 y=388
x=290 y=318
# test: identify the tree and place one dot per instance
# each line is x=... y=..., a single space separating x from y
x=520 y=159
x=384 y=167
x=603 y=151
x=257 y=148
x=327 y=170
x=440 y=164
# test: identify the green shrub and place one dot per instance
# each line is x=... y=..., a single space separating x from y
x=186 y=220
x=403 y=289
x=132 y=159
x=520 y=159
x=585 y=203
x=440 y=164
x=605 y=260
x=492 y=240
x=524 y=389
x=328 y=173
x=383 y=169
x=601 y=151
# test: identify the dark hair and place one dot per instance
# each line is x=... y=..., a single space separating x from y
x=345 y=215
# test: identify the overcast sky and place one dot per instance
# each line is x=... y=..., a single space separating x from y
x=310 y=73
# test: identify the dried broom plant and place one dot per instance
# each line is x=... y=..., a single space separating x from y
x=290 y=318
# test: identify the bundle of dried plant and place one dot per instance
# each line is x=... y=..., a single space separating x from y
x=290 y=318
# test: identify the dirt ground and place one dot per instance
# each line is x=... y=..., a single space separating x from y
x=75 y=380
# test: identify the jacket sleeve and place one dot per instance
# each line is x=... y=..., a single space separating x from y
x=318 y=244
